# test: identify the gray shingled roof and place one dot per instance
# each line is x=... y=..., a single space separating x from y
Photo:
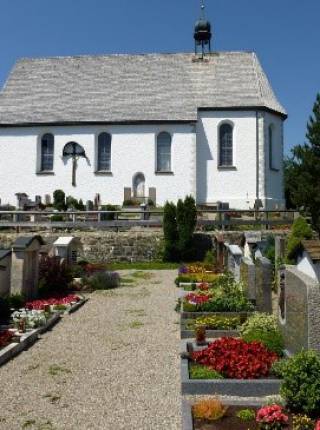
x=120 y=88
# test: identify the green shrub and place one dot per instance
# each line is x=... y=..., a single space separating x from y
x=131 y=202
x=246 y=415
x=4 y=310
x=170 y=231
x=300 y=230
x=209 y=259
x=72 y=203
x=56 y=218
x=186 y=222
x=278 y=368
x=59 y=200
x=263 y=328
x=16 y=301
x=302 y=422
x=301 y=383
x=109 y=216
x=81 y=206
x=198 y=371
x=221 y=304
x=103 y=281
x=54 y=275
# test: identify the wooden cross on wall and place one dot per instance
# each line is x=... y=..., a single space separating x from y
x=75 y=151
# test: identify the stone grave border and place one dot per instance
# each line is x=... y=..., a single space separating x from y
x=227 y=387
x=187 y=419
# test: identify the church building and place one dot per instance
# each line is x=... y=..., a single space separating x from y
x=159 y=126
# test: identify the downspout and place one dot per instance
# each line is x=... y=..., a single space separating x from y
x=257 y=155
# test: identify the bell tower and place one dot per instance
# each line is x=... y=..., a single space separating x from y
x=202 y=34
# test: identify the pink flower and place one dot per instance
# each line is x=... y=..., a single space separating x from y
x=317 y=427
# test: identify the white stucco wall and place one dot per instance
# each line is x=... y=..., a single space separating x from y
x=274 y=187
x=133 y=150
x=236 y=186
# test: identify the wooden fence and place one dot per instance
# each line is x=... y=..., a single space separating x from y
x=127 y=218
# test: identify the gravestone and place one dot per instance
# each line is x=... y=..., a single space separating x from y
x=248 y=278
x=126 y=193
x=153 y=195
x=280 y=248
x=47 y=199
x=264 y=280
x=298 y=310
x=25 y=266
x=67 y=249
x=5 y=271
x=234 y=260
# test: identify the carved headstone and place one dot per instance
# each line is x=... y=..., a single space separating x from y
x=248 y=277
x=264 y=280
x=153 y=195
x=126 y=193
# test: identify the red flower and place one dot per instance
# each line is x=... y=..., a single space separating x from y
x=237 y=359
x=197 y=299
x=57 y=300
x=272 y=415
x=5 y=338
x=204 y=286
x=317 y=427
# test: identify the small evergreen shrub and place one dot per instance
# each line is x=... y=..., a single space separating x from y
x=54 y=275
x=59 y=200
x=209 y=259
x=246 y=415
x=301 y=383
x=170 y=231
x=186 y=222
x=109 y=216
x=103 y=281
x=300 y=230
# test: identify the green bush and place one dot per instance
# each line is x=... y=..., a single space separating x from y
x=263 y=328
x=54 y=275
x=59 y=200
x=198 y=371
x=301 y=383
x=56 y=218
x=186 y=222
x=170 y=231
x=16 y=301
x=209 y=259
x=72 y=203
x=81 y=206
x=300 y=230
x=246 y=415
x=4 y=310
x=131 y=202
x=109 y=216
x=103 y=281
x=216 y=322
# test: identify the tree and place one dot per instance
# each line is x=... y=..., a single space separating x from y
x=186 y=220
x=170 y=231
x=59 y=200
x=302 y=179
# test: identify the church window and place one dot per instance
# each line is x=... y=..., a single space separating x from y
x=226 y=145
x=104 y=152
x=47 y=152
x=164 y=152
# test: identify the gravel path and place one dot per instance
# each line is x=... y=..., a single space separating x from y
x=114 y=364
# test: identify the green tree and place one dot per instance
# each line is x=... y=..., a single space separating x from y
x=187 y=221
x=59 y=200
x=170 y=231
x=302 y=179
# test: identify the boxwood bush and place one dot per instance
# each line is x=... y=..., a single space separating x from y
x=301 y=383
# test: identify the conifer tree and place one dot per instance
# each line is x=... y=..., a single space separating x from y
x=302 y=171
x=170 y=231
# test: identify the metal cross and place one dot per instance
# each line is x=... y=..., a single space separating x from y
x=75 y=151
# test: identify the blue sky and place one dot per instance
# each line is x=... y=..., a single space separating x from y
x=284 y=33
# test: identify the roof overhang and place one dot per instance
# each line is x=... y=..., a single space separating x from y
x=245 y=108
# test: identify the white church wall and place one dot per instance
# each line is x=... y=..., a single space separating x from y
x=133 y=150
x=235 y=185
x=274 y=190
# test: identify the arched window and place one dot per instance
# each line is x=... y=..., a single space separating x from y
x=226 y=145
x=47 y=152
x=164 y=152
x=104 y=152
x=270 y=139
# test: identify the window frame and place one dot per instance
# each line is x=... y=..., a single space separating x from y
x=98 y=169
x=157 y=170
x=220 y=165
x=41 y=169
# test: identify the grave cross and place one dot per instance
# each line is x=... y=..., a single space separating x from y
x=75 y=151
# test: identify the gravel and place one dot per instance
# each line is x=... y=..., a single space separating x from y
x=114 y=364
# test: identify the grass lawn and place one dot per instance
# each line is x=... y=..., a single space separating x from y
x=152 y=265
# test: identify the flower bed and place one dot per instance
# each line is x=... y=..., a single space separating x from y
x=213 y=414
x=6 y=337
x=215 y=325
x=56 y=303
x=243 y=370
x=236 y=359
